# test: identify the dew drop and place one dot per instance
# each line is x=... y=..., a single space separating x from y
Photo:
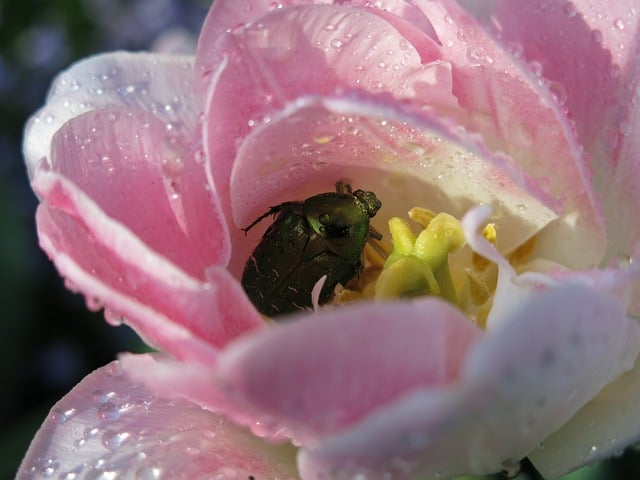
x=596 y=35
x=558 y=91
x=510 y=468
x=93 y=303
x=626 y=128
x=108 y=412
x=320 y=165
x=225 y=473
x=58 y=416
x=569 y=10
x=337 y=44
x=72 y=474
x=148 y=473
x=618 y=23
x=113 y=440
x=114 y=369
x=97 y=474
x=114 y=319
x=100 y=396
x=536 y=68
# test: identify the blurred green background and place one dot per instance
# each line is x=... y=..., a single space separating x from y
x=50 y=340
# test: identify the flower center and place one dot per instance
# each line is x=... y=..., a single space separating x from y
x=433 y=261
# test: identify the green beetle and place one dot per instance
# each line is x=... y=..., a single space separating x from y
x=322 y=235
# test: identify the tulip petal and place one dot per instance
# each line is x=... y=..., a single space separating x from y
x=586 y=48
x=505 y=102
x=587 y=53
x=110 y=426
x=161 y=193
x=232 y=16
x=518 y=385
x=127 y=250
x=331 y=370
x=603 y=427
x=163 y=85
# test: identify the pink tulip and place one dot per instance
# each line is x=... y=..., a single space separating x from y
x=524 y=114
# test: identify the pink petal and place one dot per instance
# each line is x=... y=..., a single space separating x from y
x=586 y=50
x=320 y=375
x=232 y=16
x=147 y=179
x=127 y=243
x=505 y=102
x=266 y=66
x=407 y=158
x=620 y=184
x=160 y=84
x=519 y=385
x=111 y=426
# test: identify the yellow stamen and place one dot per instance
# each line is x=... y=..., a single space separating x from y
x=422 y=216
x=489 y=232
x=478 y=289
x=418 y=265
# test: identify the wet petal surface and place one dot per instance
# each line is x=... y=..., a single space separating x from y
x=112 y=427
x=526 y=377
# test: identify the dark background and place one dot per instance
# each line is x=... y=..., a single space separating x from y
x=49 y=339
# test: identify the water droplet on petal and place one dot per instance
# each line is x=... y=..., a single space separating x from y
x=596 y=35
x=337 y=44
x=569 y=10
x=510 y=468
x=148 y=473
x=108 y=412
x=58 y=416
x=113 y=440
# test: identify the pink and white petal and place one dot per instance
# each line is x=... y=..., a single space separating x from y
x=196 y=382
x=163 y=85
x=408 y=158
x=147 y=179
x=112 y=426
x=520 y=384
x=232 y=16
x=265 y=67
x=603 y=427
x=104 y=260
x=228 y=16
x=588 y=51
x=587 y=48
x=321 y=374
x=620 y=184
x=516 y=113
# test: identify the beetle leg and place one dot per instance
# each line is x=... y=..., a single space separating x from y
x=343 y=186
x=373 y=233
x=271 y=211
